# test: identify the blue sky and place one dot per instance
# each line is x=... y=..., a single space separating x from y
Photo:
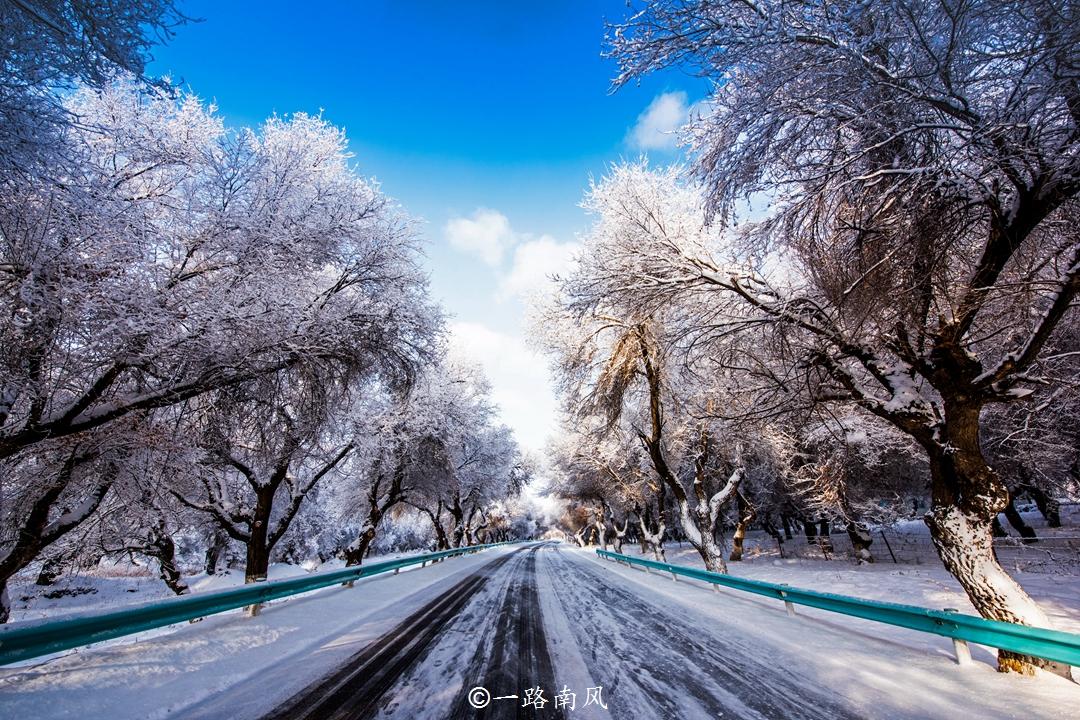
x=485 y=119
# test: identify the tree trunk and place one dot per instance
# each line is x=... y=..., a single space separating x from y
x=1017 y=521
x=37 y=532
x=442 y=542
x=824 y=538
x=699 y=533
x=257 y=562
x=746 y=516
x=620 y=533
x=967 y=495
x=358 y=548
x=458 y=514
x=773 y=532
x=50 y=570
x=652 y=532
x=217 y=544
x=258 y=549
x=600 y=523
x=1048 y=506
x=861 y=541
x=164 y=550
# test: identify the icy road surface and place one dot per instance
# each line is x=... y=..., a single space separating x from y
x=548 y=616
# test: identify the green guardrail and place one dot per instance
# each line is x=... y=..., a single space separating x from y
x=1063 y=647
x=23 y=641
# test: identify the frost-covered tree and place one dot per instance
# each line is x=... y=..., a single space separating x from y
x=182 y=260
x=616 y=363
x=923 y=163
x=51 y=45
x=481 y=460
x=264 y=445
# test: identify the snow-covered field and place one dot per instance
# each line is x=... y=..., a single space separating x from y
x=109 y=587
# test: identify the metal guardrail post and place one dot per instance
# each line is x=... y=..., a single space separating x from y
x=788 y=605
x=960 y=647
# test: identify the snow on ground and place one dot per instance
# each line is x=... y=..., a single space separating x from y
x=605 y=624
x=885 y=671
x=108 y=587
x=158 y=674
x=926 y=585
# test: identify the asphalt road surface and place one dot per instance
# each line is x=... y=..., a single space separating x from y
x=545 y=618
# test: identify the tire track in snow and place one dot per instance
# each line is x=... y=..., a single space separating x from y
x=355 y=690
x=653 y=664
x=514 y=653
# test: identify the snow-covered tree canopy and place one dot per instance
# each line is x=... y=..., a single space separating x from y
x=923 y=161
x=176 y=273
x=51 y=45
x=183 y=258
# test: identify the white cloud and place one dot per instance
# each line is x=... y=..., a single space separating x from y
x=487 y=234
x=655 y=128
x=520 y=381
x=535 y=262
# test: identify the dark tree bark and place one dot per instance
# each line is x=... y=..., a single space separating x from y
x=378 y=506
x=1048 y=506
x=162 y=549
x=786 y=521
x=442 y=541
x=214 y=547
x=51 y=569
x=861 y=540
x=37 y=532
x=1017 y=521
x=251 y=526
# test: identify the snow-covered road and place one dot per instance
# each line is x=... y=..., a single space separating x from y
x=510 y=621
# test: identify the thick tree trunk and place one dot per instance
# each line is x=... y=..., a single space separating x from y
x=257 y=558
x=699 y=533
x=165 y=552
x=358 y=548
x=579 y=536
x=442 y=541
x=967 y=495
x=620 y=533
x=458 y=514
x=258 y=549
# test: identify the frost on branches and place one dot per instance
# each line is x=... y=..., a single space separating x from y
x=182 y=269
x=923 y=164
